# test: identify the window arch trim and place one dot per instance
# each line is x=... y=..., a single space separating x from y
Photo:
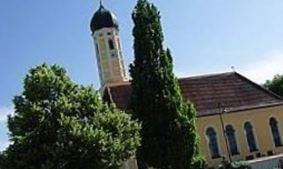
x=256 y=145
x=276 y=143
x=233 y=150
x=214 y=152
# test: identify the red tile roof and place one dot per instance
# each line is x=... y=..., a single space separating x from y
x=232 y=90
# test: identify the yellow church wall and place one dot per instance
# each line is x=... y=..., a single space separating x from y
x=259 y=118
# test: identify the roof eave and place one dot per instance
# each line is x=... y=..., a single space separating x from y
x=243 y=109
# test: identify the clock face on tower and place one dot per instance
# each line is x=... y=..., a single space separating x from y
x=105 y=33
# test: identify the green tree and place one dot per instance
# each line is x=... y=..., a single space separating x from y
x=58 y=124
x=275 y=85
x=169 y=137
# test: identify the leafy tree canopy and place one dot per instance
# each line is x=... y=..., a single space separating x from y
x=275 y=85
x=58 y=124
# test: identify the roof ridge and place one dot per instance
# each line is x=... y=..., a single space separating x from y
x=117 y=84
x=206 y=75
x=205 y=91
x=126 y=83
x=260 y=87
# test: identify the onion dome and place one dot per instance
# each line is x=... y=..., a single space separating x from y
x=103 y=18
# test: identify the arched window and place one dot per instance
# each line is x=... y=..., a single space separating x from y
x=212 y=143
x=250 y=137
x=111 y=44
x=231 y=137
x=275 y=132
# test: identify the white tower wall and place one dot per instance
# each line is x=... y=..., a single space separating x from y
x=109 y=56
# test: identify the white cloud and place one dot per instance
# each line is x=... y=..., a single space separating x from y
x=265 y=68
x=4 y=145
x=4 y=112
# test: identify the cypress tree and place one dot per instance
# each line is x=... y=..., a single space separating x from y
x=169 y=138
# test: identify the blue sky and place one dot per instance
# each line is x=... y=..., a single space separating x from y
x=205 y=36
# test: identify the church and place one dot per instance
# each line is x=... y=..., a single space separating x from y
x=237 y=119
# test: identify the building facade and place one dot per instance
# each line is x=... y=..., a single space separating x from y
x=105 y=33
x=250 y=134
x=237 y=119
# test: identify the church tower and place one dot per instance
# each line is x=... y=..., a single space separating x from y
x=105 y=33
